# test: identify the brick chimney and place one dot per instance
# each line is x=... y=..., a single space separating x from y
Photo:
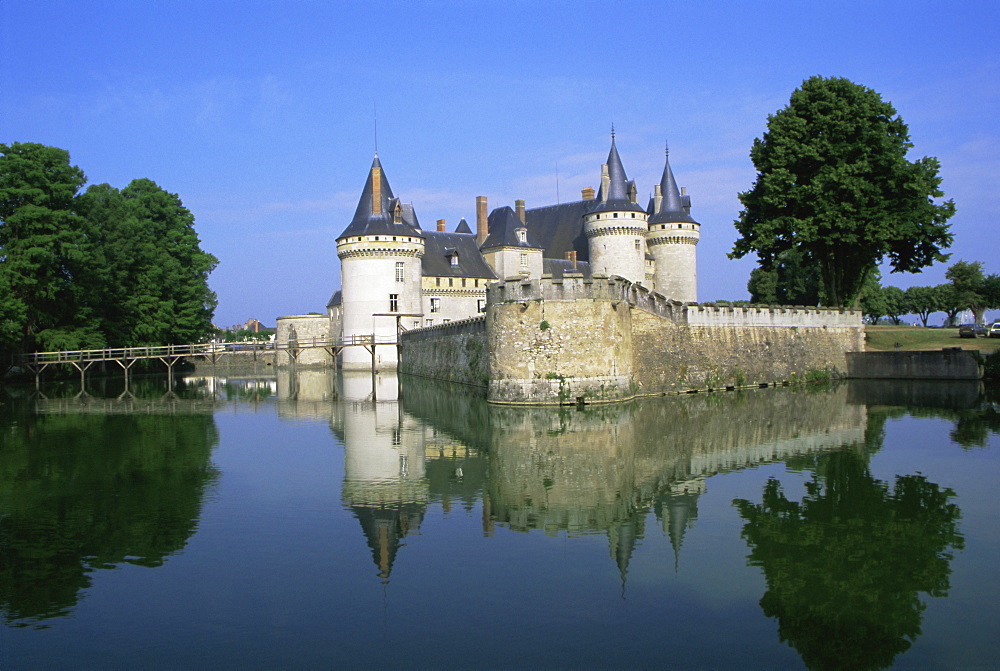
x=376 y=190
x=482 y=221
x=519 y=209
x=440 y=223
x=588 y=193
x=571 y=256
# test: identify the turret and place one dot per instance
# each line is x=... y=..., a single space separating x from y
x=380 y=270
x=673 y=235
x=616 y=226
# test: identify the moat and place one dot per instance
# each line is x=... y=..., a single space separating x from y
x=317 y=520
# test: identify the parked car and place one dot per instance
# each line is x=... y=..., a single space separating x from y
x=971 y=331
x=995 y=330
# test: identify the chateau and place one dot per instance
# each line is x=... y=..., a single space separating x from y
x=395 y=275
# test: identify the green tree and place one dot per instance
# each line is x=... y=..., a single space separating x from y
x=975 y=291
x=873 y=304
x=950 y=302
x=788 y=282
x=42 y=249
x=895 y=304
x=834 y=183
x=153 y=274
x=921 y=301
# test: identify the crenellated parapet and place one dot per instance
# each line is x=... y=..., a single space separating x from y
x=572 y=287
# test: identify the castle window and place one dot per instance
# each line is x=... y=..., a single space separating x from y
x=524 y=261
x=637 y=247
x=615 y=215
x=454 y=260
x=393 y=302
x=633 y=215
x=451 y=282
x=399 y=271
x=445 y=321
x=482 y=305
x=416 y=324
x=437 y=281
x=463 y=281
x=429 y=322
x=522 y=235
x=435 y=305
x=376 y=238
x=394 y=237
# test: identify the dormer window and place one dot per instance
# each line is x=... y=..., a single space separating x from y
x=397 y=214
x=454 y=260
x=522 y=235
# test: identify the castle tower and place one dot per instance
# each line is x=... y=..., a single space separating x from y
x=616 y=227
x=673 y=235
x=380 y=271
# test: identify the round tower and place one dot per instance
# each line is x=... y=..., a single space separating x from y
x=380 y=272
x=673 y=235
x=616 y=227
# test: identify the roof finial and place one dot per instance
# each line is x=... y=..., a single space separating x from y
x=612 y=131
x=666 y=148
x=375 y=120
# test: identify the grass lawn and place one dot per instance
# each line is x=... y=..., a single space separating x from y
x=909 y=338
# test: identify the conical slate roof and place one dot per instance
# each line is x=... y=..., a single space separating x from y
x=672 y=209
x=369 y=222
x=617 y=198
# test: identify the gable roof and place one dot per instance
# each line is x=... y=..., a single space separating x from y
x=503 y=225
x=439 y=246
x=559 y=228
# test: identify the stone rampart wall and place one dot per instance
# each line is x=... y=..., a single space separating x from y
x=306 y=327
x=606 y=339
x=455 y=351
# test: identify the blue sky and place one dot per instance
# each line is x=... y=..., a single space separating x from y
x=260 y=114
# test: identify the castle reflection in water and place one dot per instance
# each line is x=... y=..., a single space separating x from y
x=411 y=443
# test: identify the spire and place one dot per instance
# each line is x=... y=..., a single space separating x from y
x=617 y=196
x=671 y=208
x=375 y=213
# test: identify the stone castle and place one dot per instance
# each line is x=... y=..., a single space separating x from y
x=593 y=300
x=396 y=275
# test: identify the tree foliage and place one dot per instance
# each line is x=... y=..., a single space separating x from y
x=833 y=182
x=101 y=268
x=789 y=281
x=973 y=290
x=921 y=301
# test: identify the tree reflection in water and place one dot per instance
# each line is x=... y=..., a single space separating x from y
x=82 y=492
x=845 y=566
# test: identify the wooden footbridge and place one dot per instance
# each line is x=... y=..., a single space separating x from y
x=169 y=355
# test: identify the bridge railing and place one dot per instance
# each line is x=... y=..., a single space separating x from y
x=199 y=349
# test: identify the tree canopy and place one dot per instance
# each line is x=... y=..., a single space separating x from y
x=972 y=289
x=833 y=182
x=101 y=268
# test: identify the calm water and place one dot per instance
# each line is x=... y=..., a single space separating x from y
x=308 y=523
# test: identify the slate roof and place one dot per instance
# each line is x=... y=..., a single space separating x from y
x=336 y=299
x=559 y=228
x=503 y=224
x=438 y=248
x=463 y=227
x=674 y=208
x=619 y=186
x=366 y=222
x=559 y=267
